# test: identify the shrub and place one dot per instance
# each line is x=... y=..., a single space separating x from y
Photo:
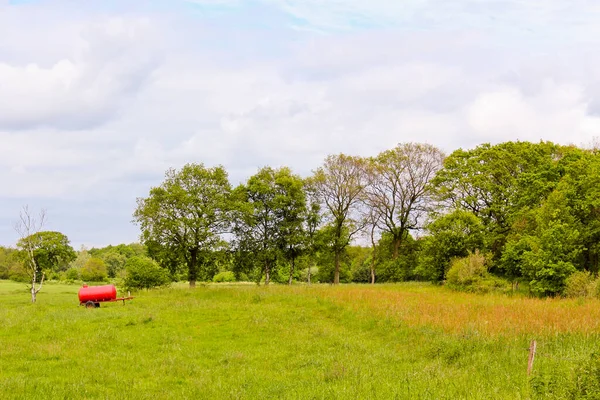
x=225 y=276
x=94 y=270
x=580 y=284
x=18 y=273
x=72 y=274
x=144 y=273
x=467 y=270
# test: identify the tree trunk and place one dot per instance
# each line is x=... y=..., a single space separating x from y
x=336 y=277
x=193 y=268
x=309 y=274
x=373 y=271
x=397 y=240
x=373 y=254
x=267 y=273
x=292 y=271
x=33 y=292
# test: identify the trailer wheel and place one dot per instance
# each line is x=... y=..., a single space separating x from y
x=90 y=304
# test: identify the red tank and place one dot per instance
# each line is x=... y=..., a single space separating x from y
x=97 y=293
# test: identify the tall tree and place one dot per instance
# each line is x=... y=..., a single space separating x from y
x=28 y=228
x=399 y=190
x=496 y=182
x=339 y=183
x=187 y=213
x=270 y=212
x=311 y=224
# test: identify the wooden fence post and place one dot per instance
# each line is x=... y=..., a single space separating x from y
x=532 y=348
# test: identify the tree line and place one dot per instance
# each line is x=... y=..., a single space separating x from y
x=531 y=210
x=526 y=212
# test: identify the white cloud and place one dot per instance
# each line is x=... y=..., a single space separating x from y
x=97 y=105
x=85 y=88
x=558 y=112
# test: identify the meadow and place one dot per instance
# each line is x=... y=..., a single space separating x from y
x=403 y=341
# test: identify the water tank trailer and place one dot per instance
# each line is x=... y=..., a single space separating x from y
x=92 y=296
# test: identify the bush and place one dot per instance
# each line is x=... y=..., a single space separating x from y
x=72 y=274
x=18 y=273
x=470 y=274
x=225 y=276
x=94 y=270
x=144 y=273
x=467 y=270
x=580 y=284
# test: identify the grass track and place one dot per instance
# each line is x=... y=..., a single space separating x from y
x=244 y=342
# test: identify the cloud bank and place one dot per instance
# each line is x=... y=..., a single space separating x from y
x=97 y=103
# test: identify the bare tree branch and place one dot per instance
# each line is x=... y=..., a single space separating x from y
x=28 y=228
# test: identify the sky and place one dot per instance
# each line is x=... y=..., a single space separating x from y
x=99 y=98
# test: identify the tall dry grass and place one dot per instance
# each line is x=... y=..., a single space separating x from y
x=456 y=312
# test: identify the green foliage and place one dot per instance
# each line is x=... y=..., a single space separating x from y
x=115 y=257
x=144 y=273
x=470 y=274
x=225 y=276
x=53 y=251
x=18 y=273
x=9 y=260
x=580 y=284
x=94 y=270
x=451 y=235
x=467 y=270
x=83 y=256
x=183 y=219
x=72 y=274
x=583 y=382
x=401 y=266
x=339 y=185
x=587 y=379
x=495 y=182
x=270 y=211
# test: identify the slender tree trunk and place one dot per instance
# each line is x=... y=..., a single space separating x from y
x=309 y=273
x=267 y=273
x=193 y=268
x=33 y=294
x=292 y=270
x=336 y=277
x=373 y=254
x=35 y=291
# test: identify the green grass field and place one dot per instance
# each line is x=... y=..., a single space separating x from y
x=321 y=342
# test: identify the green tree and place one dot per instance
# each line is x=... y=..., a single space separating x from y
x=452 y=235
x=115 y=257
x=94 y=270
x=53 y=251
x=81 y=259
x=114 y=261
x=402 y=267
x=187 y=214
x=548 y=253
x=144 y=273
x=9 y=259
x=495 y=183
x=339 y=184
x=270 y=211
